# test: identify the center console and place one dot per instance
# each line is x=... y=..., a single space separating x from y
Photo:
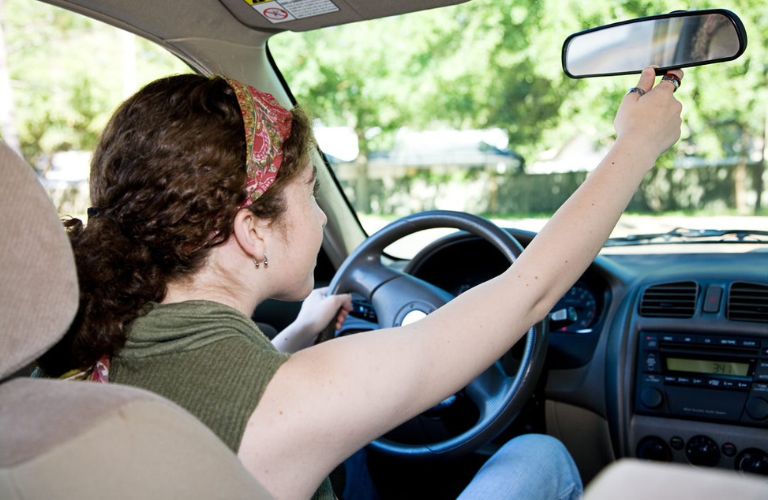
x=701 y=399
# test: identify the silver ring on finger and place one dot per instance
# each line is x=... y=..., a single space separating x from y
x=669 y=77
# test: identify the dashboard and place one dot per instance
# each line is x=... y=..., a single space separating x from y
x=575 y=322
x=661 y=355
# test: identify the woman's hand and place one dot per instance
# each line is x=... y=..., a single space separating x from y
x=317 y=310
x=650 y=117
x=320 y=308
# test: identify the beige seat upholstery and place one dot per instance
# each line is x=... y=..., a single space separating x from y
x=643 y=480
x=76 y=439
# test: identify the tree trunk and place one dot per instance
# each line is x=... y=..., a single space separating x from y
x=8 y=127
x=362 y=186
x=760 y=170
x=740 y=187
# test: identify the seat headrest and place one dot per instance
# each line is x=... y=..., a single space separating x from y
x=39 y=293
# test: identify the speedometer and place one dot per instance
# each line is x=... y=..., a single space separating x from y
x=579 y=306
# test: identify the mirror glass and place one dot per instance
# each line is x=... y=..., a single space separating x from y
x=675 y=41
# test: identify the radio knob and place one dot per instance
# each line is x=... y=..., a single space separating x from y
x=753 y=460
x=757 y=408
x=654 y=448
x=651 y=397
x=702 y=450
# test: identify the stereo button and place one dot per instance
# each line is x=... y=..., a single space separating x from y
x=757 y=408
x=651 y=362
x=712 y=299
x=676 y=442
x=728 y=449
x=651 y=398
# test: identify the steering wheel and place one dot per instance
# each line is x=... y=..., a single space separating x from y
x=400 y=298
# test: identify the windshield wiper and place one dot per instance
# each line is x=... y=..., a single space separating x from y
x=687 y=235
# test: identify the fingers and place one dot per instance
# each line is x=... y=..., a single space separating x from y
x=343 y=301
x=344 y=310
x=672 y=80
x=650 y=115
x=341 y=318
x=647 y=78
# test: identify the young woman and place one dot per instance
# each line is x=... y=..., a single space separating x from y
x=203 y=194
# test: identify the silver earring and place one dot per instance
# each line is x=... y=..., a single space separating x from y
x=257 y=263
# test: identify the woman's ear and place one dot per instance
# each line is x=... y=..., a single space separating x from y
x=251 y=233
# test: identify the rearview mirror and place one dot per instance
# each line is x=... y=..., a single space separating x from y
x=675 y=40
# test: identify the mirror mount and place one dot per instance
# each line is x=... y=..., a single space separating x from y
x=679 y=39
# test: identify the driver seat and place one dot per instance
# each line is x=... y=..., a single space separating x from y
x=61 y=439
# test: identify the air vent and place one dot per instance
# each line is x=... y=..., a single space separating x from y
x=670 y=300
x=748 y=302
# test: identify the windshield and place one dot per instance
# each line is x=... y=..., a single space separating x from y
x=467 y=108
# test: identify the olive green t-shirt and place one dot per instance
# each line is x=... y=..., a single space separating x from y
x=206 y=357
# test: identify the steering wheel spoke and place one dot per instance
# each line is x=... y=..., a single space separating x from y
x=405 y=299
x=487 y=390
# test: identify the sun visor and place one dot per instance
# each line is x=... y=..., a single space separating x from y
x=305 y=15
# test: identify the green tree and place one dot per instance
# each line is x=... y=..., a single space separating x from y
x=62 y=103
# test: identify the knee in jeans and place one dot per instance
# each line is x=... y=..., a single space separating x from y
x=544 y=444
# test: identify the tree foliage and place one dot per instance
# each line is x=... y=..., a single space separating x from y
x=488 y=63
x=62 y=71
x=484 y=63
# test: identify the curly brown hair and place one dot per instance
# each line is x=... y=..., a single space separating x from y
x=167 y=179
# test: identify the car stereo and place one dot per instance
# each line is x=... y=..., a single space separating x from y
x=703 y=377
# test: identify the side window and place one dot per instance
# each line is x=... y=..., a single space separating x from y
x=61 y=77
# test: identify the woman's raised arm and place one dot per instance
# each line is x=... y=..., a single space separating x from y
x=329 y=400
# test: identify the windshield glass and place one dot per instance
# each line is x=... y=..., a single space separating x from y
x=55 y=101
x=467 y=108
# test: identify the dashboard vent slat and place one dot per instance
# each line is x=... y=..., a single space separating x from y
x=670 y=300
x=748 y=302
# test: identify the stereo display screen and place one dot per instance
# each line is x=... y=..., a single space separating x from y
x=708 y=366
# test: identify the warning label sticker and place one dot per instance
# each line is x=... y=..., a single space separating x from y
x=280 y=11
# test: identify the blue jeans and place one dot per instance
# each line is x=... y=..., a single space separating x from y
x=528 y=467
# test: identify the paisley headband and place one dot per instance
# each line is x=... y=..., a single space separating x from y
x=267 y=127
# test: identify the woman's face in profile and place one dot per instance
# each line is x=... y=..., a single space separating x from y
x=302 y=225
